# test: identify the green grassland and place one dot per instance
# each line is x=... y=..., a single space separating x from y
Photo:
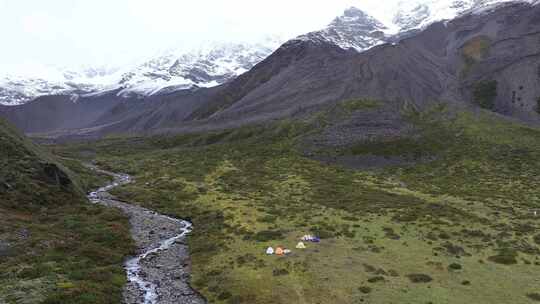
x=60 y=249
x=457 y=226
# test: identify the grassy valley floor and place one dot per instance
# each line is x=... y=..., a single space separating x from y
x=456 y=227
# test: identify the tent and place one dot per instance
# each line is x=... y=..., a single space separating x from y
x=307 y=237
x=301 y=245
x=287 y=251
x=280 y=251
x=311 y=238
x=270 y=251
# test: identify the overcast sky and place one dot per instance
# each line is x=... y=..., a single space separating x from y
x=94 y=32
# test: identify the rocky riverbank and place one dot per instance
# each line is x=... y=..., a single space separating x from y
x=160 y=272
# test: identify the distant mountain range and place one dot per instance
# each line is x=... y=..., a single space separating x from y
x=217 y=63
x=209 y=65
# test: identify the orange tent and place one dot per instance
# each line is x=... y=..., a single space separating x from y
x=280 y=251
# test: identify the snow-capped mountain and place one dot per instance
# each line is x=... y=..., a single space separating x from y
x=208 y=65
x=354 y=29
x=417 y=14
x=357 y=30
x=21 y=88
x=216 y=63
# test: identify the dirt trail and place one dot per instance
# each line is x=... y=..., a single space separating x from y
x=160 y=272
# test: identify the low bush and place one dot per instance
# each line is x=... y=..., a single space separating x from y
x=454 y=266
x=505 y=257
x=280 y=272
x=484 y=94
x=376 y=279
x=534 y=296
x=268 y=235
x=365 y=289
x=537 y=239
x=419 y=278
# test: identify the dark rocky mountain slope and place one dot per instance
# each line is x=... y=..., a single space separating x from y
x=445 y=62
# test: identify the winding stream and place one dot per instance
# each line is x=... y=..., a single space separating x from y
x=159 y=273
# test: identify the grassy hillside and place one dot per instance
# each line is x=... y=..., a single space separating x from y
x=453 y=224
x=54 y=246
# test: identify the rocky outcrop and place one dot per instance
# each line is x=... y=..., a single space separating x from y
x=55 y=175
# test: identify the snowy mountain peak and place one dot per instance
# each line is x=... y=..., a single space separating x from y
x=358 y=19
x=209 y=65
x=411 y=16
x=417 y=14
x=355 y=29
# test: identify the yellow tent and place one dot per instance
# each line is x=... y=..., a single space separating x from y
x=301 y=245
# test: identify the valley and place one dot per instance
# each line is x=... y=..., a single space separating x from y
x=446 y=230
x=387 y=159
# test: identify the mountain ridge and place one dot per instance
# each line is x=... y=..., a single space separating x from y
x=216 y=63
x=454 y=62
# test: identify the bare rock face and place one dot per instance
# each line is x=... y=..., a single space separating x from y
x=5 y=249
x=503 y=47
x=55 y=175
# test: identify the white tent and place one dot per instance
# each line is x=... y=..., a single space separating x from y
x=301 y=245
x=270 y=251
x=307 y=237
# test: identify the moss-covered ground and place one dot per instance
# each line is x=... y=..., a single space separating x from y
x=456 y=227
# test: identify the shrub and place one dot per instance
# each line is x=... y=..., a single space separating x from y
x=537 y=239
x=454 y=266
x=505 y=257
x=376 y=279
x=419 y=278
x=484 y=93
x=444 y=235
x=393 y=273
x=534 y=296
x=267 y=235
x=391 y=234
x=224 y=295
x=280 y=272
x=364 y=289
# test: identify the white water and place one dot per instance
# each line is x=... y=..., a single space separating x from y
x=133 y=265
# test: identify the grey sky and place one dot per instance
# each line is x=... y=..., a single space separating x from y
x=88 y=32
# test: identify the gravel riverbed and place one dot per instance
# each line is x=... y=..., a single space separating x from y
x=160 y=272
